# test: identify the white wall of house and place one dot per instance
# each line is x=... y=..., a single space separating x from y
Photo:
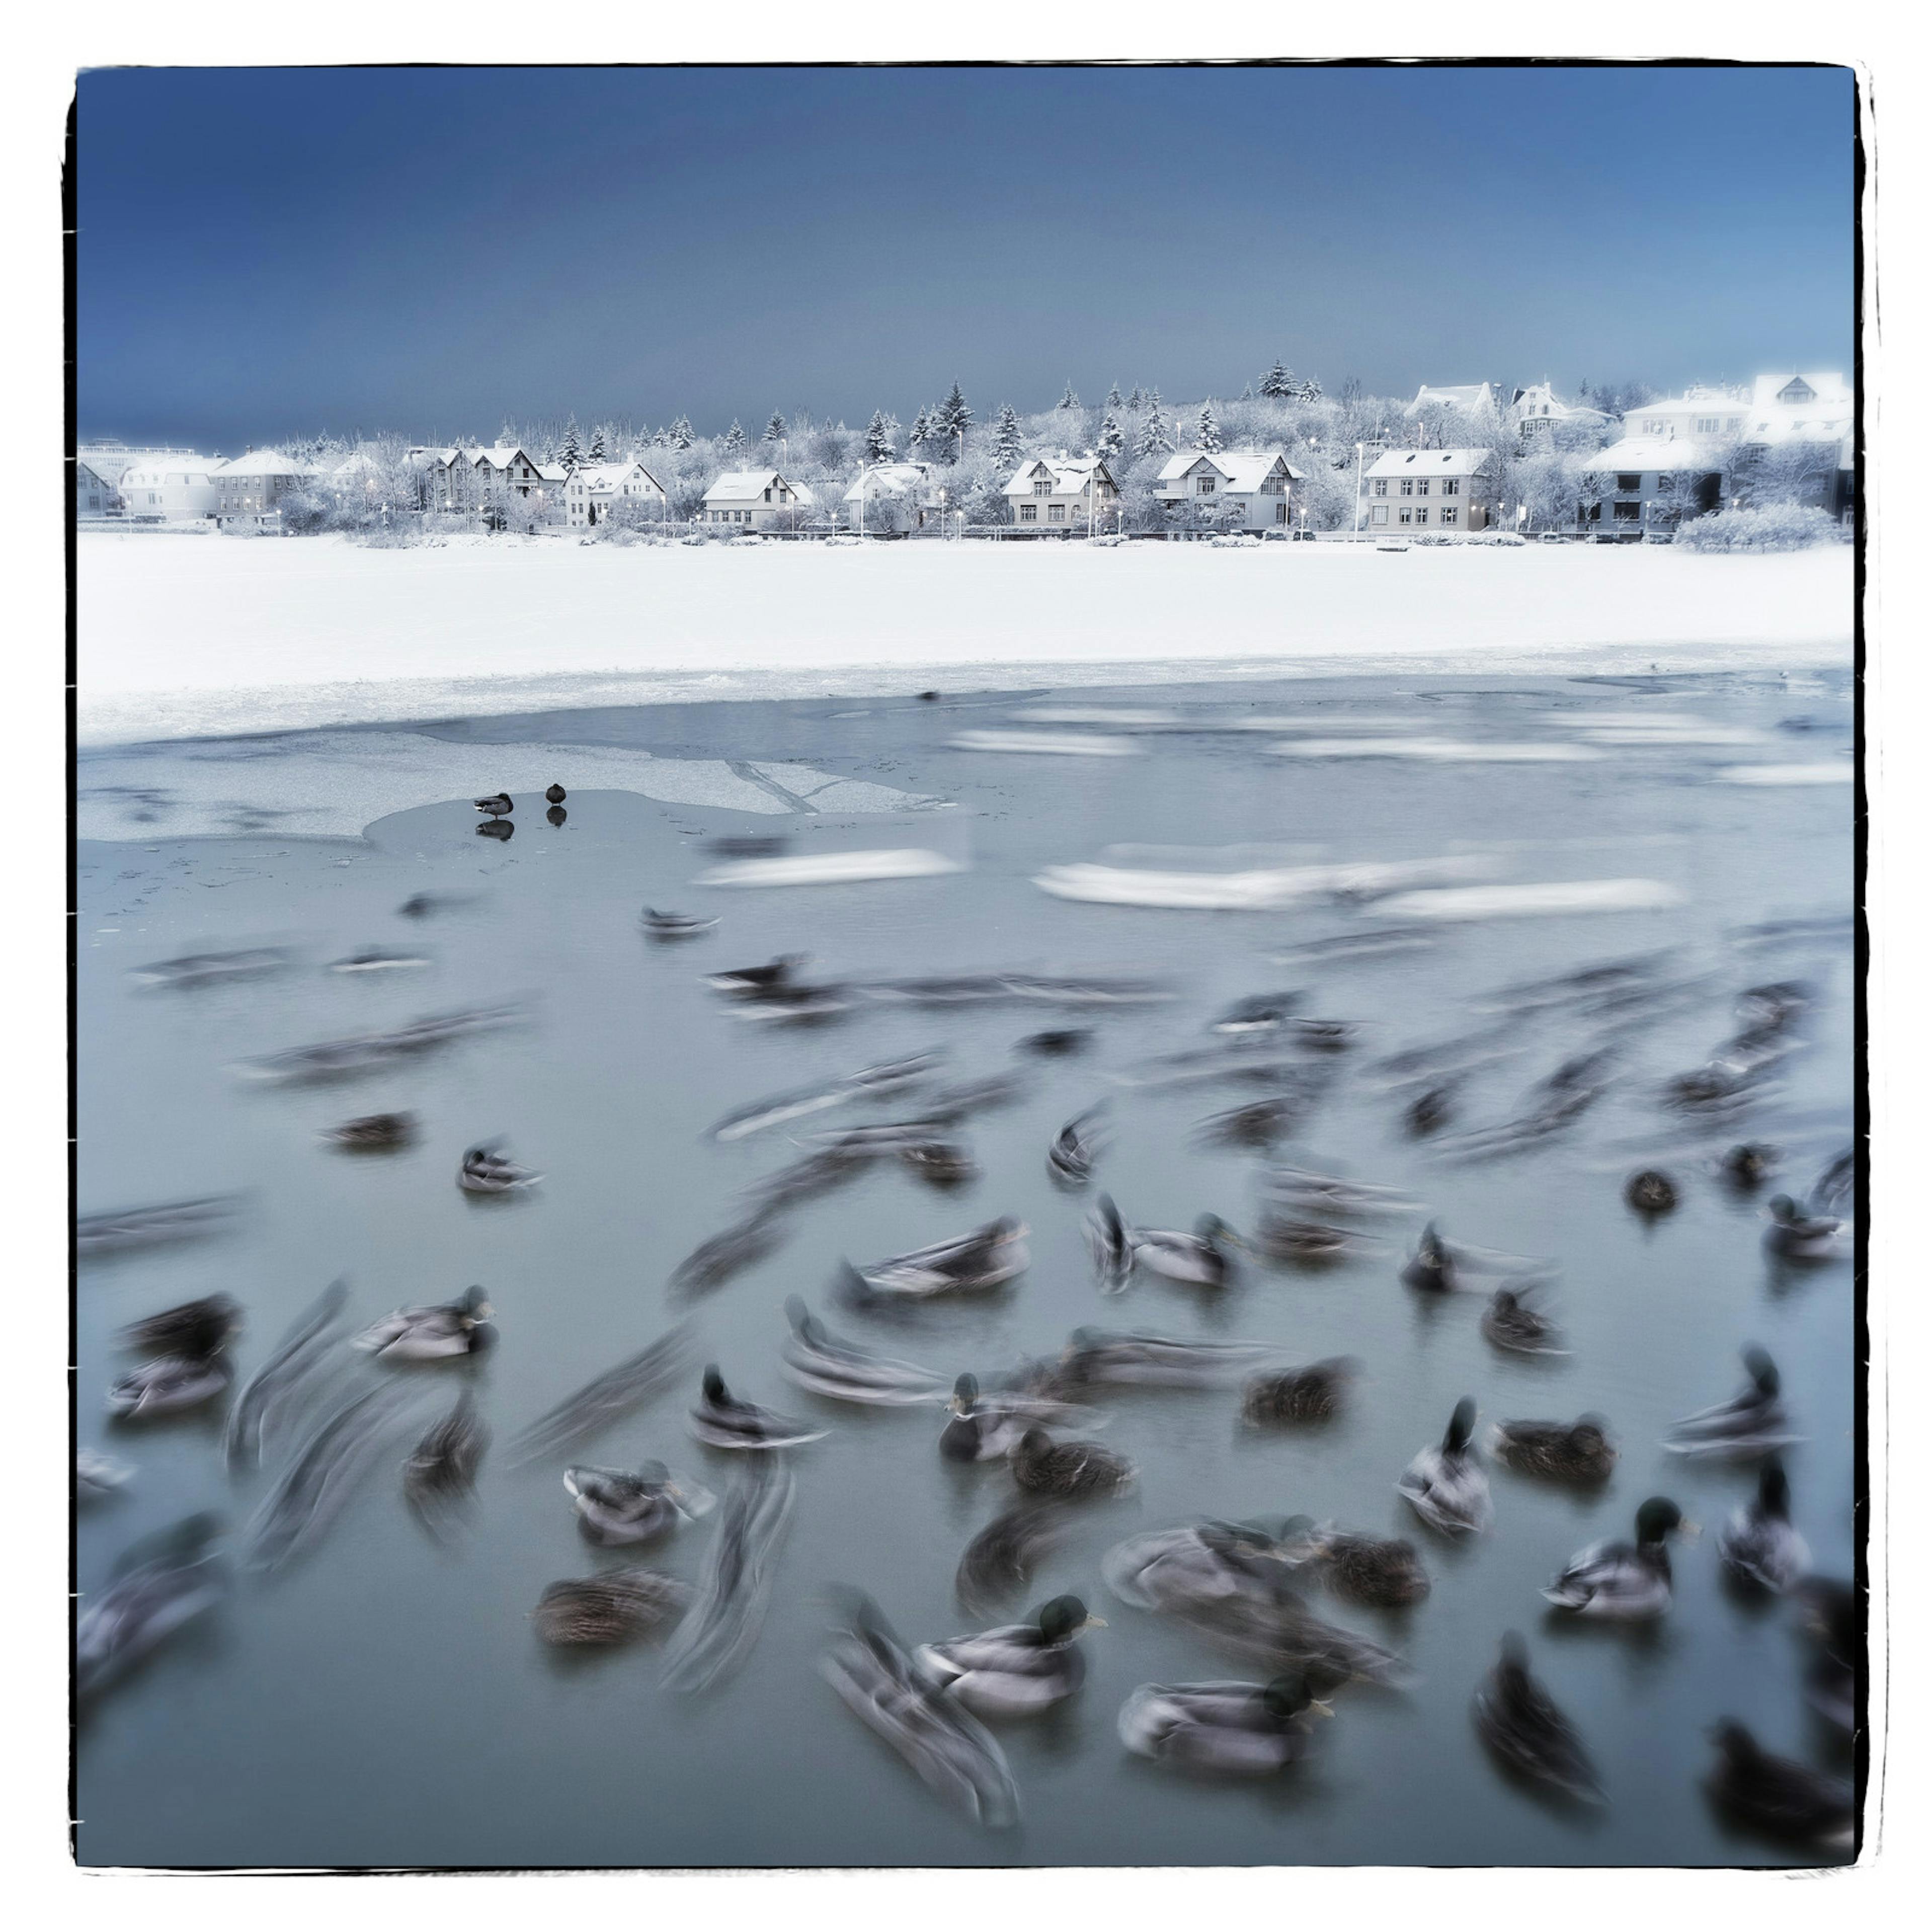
x=756 y=500
x=1260 y=482
x=1451 y=491
x=1047 y=493
x=174 y=492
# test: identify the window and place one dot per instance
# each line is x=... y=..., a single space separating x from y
x=1796 y=391
x=1422 y=487
x=1409 y=486
x=1203 y=486
x=1406 y=515
x=1281 y=511
x=1448 y=516
x=1422 y=516
x=1452 y=486
x=1042 y=489
x=1631 y=484
x=1626 y=513
x=1656 y=426
x=1029 y=513
x=1378 y=514
x=768 y=496
x=1056 y=513
x=1707 y=425
x=1382 y=489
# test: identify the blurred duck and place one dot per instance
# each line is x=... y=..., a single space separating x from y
x=374 y=1133
x=1778 y=1796
x=1311 y=1394
x=1625 y=1581
x=1511 y=1324
x=983 y=1428
x=1203 y=1564
x=1759 y=1548
x=555 y=794
x=985 y=1259
x=1831 y=1620
x=1432 y=1267
x=1201 y=1259
x=1107 y=1244
x=1521 y=1723
x=437 y=1332
x=1074 y=1470
x=497 y=805
x=1383 y=1573
x=677 y=925
x=1650 y=1191
x=193 y=1367
x=1753 y=1421
x=1748 y=1164
x=750 y=982
x=161 y=1584
x=612 y=1607
x=819 y=1361
x=1074 y=1150
x=441 y=1471
x=485 y=1170
x=1445 y=1486
x=96 y=1477
x=999 y=1562
x=1236 y=1730
x=725 y=1422
x=1560 y=1452
x=1015 y=1670
x=620 y=1506
x=1796 y=1236
x=1056 y=1042
x=1095 y=1356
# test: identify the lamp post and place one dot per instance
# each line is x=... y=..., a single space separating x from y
x=1358 y=489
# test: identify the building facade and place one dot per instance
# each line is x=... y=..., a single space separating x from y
x=592 y=493
x=756 y=499
x=1049 y=495
x=1452 y=491
x=1640 y=489
x=892 y=500
x=1258 y=484
x=178 y=489
x=1471 y=398
x=249 y=491
x=1539 y=412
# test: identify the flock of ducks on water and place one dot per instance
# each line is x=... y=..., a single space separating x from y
x=1244 y=1587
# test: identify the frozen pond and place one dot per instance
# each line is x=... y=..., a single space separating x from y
x=385 y=1699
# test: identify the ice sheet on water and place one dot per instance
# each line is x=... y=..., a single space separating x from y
x=1440 y=750
x=1209 y=884
x=1838 y=773
x=1061 y=744
x=333 y=784
x=1565 y=896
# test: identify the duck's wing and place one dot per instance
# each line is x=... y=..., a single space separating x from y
x=296 y=1358
x=617 y=1392
x=1006 y=1650
x=736 y=1587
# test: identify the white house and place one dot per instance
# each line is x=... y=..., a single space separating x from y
x=1641 y=487
x=1410 y=490
x=1702 y=414
x=1260 y=481
x=172 y=489
x=249 y=491
x=1470 y=397
x=1789 y=407
x=894 y=498
x=1062 y=490
x=93 y=495
x=100 y=466
x=590 y=493
x=1538 y=409
x=757 y=500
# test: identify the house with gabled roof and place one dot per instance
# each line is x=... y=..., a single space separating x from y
x=892 y=498
x=756 y=499
x=1062 y=492
x=591 y=493
x=1471 y=398
x=1260 y=482
x=249 y=491
x=1407 y=491
x=1538 y=411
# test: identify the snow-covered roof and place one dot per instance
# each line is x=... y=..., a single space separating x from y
x=1541 y=400
x=1826 y=387
x=1069 y=475
x=1431 y=463
x=596 y=476
x=888 y=476
x=741 y=486
x=110 y=460
x=1243 y=470
x=1452 y=395
x=150 y=475
x=263 y=463
x=356 y=463
x=552 y=473
x=1652 y=452
x=499 y=456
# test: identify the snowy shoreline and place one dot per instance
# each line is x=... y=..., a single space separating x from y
x=224 y=637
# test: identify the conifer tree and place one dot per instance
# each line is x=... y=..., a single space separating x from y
x=878 y=439
x=1279 y=383
x=952 y=420
x=1155 y=435
x=1310 y=391
x=1068 y=400
x=1115 y=401
x=734 y=440
x=1137 y=401
x=1007 y=443
x=599 y=448
x=570 y=451
x=1206 y=430
x=921 y=429
x=775 y=430
x=1111 y=442
x=680 y=434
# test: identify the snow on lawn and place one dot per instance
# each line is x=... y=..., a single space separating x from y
x=222 y=635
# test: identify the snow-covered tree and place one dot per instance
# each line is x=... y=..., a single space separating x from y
x=1068 y=401
x=952 y=418
x=879 y=445
x=570 y=449
x=1115 y=401
x=1137 y=401
x=1206 y=430
x=1247 y=392
x=599 y=448
x=1155 y=435
x=1111 y=440
x=1279 y=383
x=1310 y=391
x=1008 y=444
x=679 y=434
x=921 y=429
x=734 y=440
x=775 y=430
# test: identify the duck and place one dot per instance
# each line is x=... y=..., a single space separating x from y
x=374 y=1133
x=1235 y=1728
x=1512 y=1324
x=1201 y=1259
x=620 y=1506
x=677 y=925
x=1444 y=1485
x=438 y=1332
x=441 y=1470
x=1776 y=1795
x=1624 y=1581
x=1432 y=1267
x=1000 y=1560
x=195 y=1330
x=1072 y=1469
x=983 y=1428
x=987 y=1257
x=1753 y=1421
x=193 y=1367
x=1748 y=1164
x=725 y=1422
x=1016 y=1670
x=555 y=794
x=1307 y=1243
x=1384 y=1573
x=1255 y=1124
x=1098 y=1355
x=1796 y=1236
x=819 y=1361
x=498 y=804
x=1520 y=1721
x=1434 y=1107
x=1109 y=1245
x=1073 y=1151
x=1831 y=1621
x=1056 y=1042
x=1650 y=1191
x=96 y=1477
x=1562 y=1452
x=163 y=1582
x=751 y=982
x=1199 y=1565
x=939 y=1163
x=612 y=1607
x=1310 y=1394
x=1759 y=1548
x=485 y=1170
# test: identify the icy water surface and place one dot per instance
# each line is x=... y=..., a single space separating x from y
x=385 y=1700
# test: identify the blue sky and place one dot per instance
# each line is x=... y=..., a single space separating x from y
x=427 y=250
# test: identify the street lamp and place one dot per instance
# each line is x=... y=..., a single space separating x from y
x=1358 y=489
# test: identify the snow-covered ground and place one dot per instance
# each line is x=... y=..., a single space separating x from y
x=222 y=635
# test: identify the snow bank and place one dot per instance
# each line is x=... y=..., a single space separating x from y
x=231 y=635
